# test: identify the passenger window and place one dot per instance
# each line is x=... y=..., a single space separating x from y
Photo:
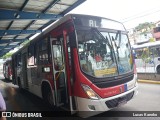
x=43 y=57
x=31 y=55
x=58 y=56
x=18 y=61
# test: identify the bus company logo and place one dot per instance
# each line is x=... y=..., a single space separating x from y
x=110 y=93
x=18 y=114
x=6 y=114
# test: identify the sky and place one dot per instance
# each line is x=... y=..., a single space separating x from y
x=130 y=12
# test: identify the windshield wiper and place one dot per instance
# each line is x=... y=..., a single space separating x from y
x=118 y=33
x=96 y=31
x=106 y=40
x=117 y=46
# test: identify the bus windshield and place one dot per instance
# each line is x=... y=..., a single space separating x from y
x=104 y=54
x=122 y=50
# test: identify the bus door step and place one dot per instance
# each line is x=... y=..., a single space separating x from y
x=64 y=108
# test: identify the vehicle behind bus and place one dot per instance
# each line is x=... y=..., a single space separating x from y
x=81 y=63
x=7 y=70
x=147 y=57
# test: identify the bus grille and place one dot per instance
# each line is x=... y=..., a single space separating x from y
x=115 y=102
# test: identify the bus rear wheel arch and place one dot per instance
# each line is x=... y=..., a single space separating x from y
x=47 y=94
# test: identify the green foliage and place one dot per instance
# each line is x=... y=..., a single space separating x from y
x=7 y=55
x=146 y=56
x=152 y=40
x=145 y=27
x=25 y=42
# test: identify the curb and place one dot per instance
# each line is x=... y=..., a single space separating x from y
x=148 y=81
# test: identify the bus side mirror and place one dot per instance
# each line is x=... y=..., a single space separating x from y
x=158 y=59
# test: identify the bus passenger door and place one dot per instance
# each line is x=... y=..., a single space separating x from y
x=59 y=72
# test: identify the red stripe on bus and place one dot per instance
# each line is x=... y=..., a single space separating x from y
x=79 y=78
x=108 y=92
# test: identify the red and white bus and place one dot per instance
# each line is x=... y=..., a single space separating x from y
x=7 y=69
x=81 y=63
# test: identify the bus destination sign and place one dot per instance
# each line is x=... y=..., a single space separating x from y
x=98 y=22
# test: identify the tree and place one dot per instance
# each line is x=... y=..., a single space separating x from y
x=25 y=42
x=7 y=55
x=152 y=40
x=146 y=57
x=145 y=27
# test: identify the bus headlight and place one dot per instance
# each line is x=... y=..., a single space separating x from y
x=91 y=94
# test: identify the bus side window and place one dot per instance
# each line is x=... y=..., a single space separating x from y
x=18 y=61
x=31 y=55
x=158 y=52
x=58 y=56
x=138 y=53
x=42 y=46
x=35 y=54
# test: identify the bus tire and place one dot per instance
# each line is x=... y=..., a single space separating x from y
x=158 y=69
x=47 y=94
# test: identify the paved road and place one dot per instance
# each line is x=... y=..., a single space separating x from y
x=148 y=99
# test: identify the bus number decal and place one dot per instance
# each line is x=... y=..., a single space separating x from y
x=92 y=23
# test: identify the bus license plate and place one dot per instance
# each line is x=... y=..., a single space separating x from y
x=122 y=102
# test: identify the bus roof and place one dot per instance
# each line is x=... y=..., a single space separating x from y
x=116 y=24
x=110 y=24
x=149 y=44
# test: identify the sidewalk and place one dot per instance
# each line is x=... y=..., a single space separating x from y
x=148 y=81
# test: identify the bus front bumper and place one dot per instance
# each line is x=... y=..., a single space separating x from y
x=89 y=107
